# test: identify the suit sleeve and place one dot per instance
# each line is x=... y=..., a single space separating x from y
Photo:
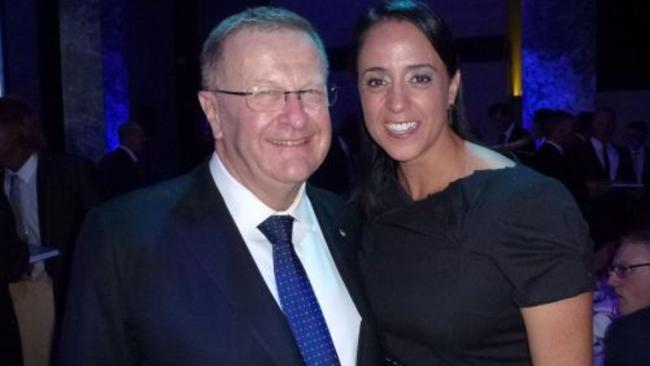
x=94 y=330
x=624 y=342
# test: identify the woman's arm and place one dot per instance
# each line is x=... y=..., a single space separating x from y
x=560 y=333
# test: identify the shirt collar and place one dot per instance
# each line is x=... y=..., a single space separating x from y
x=247 y=210
x=509 y=130
x=555 y=145
x=133 y=156
x=27 y=172
x=597 y=143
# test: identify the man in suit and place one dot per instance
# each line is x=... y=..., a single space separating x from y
x=201 y=270
x=636 y=135
x=627 y=339
x=13 y=261
x=49 y=196
x=551 y=155
x=600 y=160
x=120 y=170
x=514 y=140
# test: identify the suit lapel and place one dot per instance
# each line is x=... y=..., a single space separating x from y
x=344 y=249
x=216 y=244
x=342 y=246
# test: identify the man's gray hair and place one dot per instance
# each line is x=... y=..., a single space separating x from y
x=263 y=18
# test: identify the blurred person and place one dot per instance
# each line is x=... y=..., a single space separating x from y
x=582 y=131
x=468 y=257
x=539 y=125
x=551 y=156
x=512 y=136
x=627 y=339
x=13 y=261
x=120 y=171
x=636 y=136
x=600 y=161
x=49 y=195
x=238 y=262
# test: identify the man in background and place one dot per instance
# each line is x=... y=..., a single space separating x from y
x=49 y=195
x=120 y=171
x=627 y=340
x=636 y=136
x=513 y=140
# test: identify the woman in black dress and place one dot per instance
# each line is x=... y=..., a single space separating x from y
x=469 y=258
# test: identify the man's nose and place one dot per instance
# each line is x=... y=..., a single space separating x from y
x=294 y=110
x=613 y=279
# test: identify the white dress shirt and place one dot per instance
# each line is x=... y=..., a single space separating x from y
x=612 y=154
x=248 y=211
x=28 y=205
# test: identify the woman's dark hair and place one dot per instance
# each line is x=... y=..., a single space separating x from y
x=379 y=170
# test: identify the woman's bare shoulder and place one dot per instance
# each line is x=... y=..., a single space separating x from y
x=482 y=158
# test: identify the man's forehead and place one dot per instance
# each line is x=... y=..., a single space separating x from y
x=250 y=52
x=633 y=250
x=252 y=38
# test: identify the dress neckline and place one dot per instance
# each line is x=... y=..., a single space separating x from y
x=476 y=174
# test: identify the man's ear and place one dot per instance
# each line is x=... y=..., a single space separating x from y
x=210 y=109
x=454 y=85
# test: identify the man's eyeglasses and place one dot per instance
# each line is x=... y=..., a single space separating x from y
x=262 y=99
x=622 y=270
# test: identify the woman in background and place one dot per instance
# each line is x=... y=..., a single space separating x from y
x=469 y=259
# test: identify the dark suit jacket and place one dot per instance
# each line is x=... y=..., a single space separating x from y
x=118 y=173
x=163 y=277
x=66 y=189
x=551 y=162
x=627 y=342
x=65 y=192
x=590 y=169
x=13 y=259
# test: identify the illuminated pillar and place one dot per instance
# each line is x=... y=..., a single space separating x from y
x=559 y=55
x=514 y=38
x=93 y=74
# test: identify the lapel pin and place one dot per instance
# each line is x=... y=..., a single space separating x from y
x=342 y=233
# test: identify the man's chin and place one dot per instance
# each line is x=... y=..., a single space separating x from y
x=297 y=173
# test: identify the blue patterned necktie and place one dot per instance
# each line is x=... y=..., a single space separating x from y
x=297 y=298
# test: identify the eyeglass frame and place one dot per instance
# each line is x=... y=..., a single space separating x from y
x=331 y=93
x=621 y=270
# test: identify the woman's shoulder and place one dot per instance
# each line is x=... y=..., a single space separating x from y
x=510 y=177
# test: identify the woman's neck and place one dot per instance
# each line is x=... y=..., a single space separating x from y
x=433 y=173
